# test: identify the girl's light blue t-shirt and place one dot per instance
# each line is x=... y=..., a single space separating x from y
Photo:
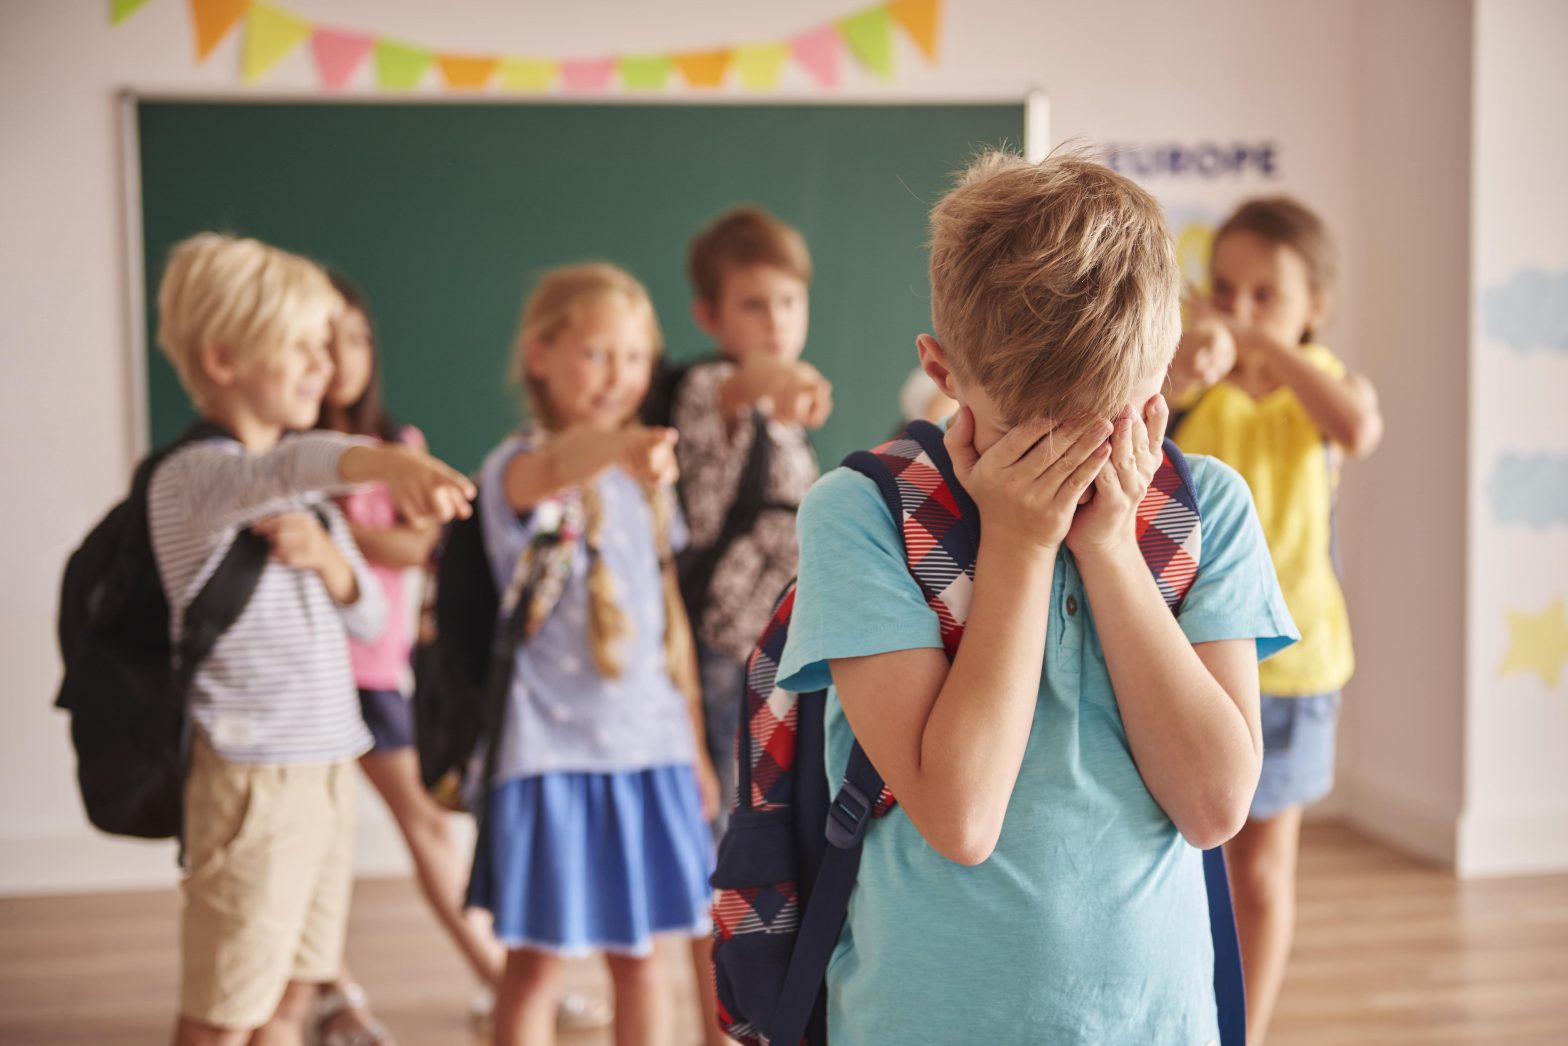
x=563 y=716
x=1089 y=922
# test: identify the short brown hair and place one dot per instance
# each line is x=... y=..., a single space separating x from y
x=1290 y=223
x=739 y=238
x=1054 y=285
x=252 y=297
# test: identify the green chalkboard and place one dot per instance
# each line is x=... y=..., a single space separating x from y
x=444 y=213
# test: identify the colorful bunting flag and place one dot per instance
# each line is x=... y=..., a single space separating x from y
x=919 y=19
x=528 y=74
x=338 y=55
x=761 y=65
x=212 y=20
x=400 y=67
x=869 y=36
x=817 y=50
x=120 y=10
x=467 y=72
x=645 y=72
x=270 y=34
x=704 y=68
x=587 y=74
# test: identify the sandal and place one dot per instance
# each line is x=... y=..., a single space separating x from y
x=574 y=1012
x=332 y=1004
x=579 y=1012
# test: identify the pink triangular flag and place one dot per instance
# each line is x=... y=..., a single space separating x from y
x=817 y=50
x=338 y=55
x=587 y=74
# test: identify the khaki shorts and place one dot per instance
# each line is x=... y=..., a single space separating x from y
x=269 y=851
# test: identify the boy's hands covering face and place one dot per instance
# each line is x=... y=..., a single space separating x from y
x=1028 y=484
x=1137 y=448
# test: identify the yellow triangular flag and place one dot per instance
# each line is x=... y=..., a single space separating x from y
x=761 y=65
x=919 y=19
x=528 y=74
x=212 y=20
x=270 y=33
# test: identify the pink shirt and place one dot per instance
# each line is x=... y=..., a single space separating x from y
x=379 y=663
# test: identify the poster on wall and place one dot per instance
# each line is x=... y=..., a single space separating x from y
x=1198 y=182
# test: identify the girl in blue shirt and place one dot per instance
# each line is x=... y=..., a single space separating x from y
x=597 y=835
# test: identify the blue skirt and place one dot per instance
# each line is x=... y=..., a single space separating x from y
x=575 y=863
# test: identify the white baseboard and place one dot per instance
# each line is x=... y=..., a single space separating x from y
x=1498 y=844
x=81 y=860
x=1412 y=824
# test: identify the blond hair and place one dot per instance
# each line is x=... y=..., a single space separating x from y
x=561 y=296
x=247 y=296
x=1290 y=223
x=1054 y=285
x=740 y=238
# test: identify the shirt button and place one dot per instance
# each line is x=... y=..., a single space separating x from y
x=1072 y=605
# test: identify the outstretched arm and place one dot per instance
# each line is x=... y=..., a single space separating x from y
x=1344 y=408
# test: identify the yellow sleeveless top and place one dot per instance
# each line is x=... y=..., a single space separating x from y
x=1286 y=461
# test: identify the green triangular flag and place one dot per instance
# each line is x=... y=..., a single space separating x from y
x=399 y=67
x=645 y=72
x=270 y=34
x=120 y=10
x=870 y=38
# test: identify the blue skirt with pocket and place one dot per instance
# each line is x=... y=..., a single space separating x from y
x=574 y=863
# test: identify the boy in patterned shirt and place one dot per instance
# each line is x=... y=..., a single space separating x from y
x=744 y=457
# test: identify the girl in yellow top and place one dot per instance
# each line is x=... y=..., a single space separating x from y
x=1254 y=389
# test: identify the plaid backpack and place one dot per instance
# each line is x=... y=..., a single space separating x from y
x=788 y=863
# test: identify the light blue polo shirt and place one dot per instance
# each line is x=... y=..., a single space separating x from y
x=1089 y=922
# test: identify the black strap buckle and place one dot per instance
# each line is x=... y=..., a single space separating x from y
x=848 y=816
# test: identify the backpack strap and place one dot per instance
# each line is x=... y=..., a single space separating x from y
x=941 y=531
x=220 y=601
x=698 y=566
x=1170 y=530
x=848 y=817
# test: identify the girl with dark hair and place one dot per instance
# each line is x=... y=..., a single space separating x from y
x=391 y=545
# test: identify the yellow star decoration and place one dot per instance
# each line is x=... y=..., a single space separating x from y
x=1539 y=643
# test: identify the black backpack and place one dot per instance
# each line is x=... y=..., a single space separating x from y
x=462 y=661
x=451 y=659
x=695 y=566
x=125 y=684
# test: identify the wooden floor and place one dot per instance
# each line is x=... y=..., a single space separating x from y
x=1389 y=951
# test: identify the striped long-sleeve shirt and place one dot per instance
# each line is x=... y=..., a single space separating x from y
x=277 y=687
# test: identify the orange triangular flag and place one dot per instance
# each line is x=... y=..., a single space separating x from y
x=919 y=19
x=212 y=20
x=466 y=71
x=704 y=68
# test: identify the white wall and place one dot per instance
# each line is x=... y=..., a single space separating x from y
x=1122 y=71
x=1516 y=810
x=1401 y=737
